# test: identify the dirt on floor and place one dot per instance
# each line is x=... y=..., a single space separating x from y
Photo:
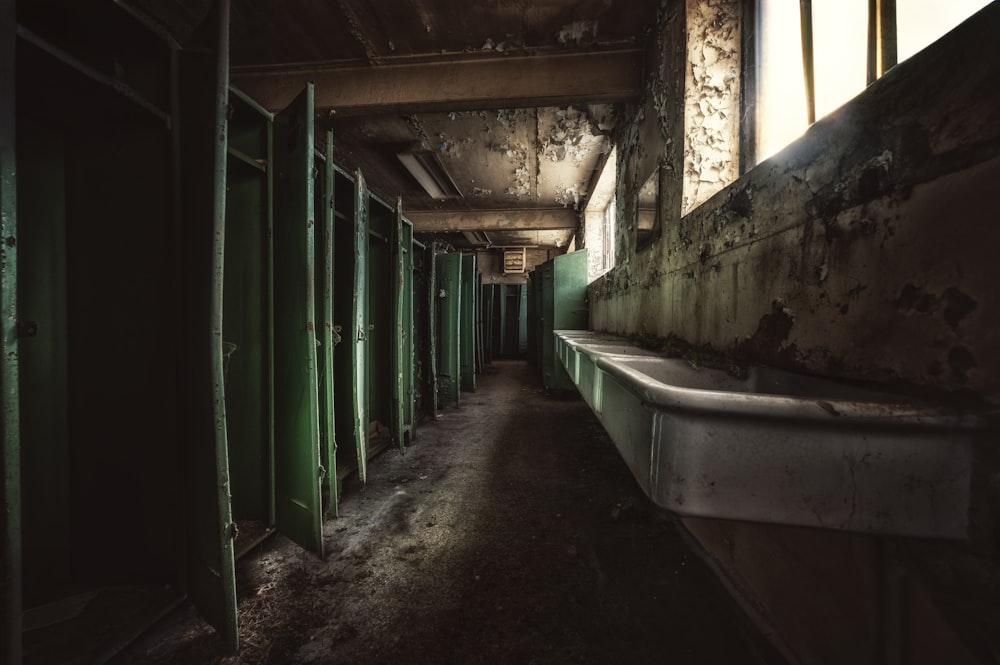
x=509 y=532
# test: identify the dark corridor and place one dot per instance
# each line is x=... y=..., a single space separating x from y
x=512 y=533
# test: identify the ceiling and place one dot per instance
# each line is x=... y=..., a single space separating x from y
x=515 y=97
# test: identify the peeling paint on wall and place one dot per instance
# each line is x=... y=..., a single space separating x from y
x=571 y=194
x=567 y=134
x=578 y=32
x=711 y=114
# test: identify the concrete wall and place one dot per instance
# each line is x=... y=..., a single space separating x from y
x=865 y=250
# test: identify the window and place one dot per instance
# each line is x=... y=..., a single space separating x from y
x=919 y=23
x=795 y=85
x=600 y=220
x=610 y=215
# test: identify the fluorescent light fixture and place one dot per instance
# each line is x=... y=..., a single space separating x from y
x=425 y=166
x=476 y=237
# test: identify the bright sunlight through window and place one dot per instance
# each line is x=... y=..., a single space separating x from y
x=840 y=42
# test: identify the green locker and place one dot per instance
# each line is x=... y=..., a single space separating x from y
x=434 y=329
x=403 y=422
x=209 y=546
x=487 y=303
x=534 y=318
x=522 y=320
x=425 y=356
x=382 y=332
x=96 y=333
x=467 y=324
x=503 y=318
x=298 y=504
x=349 y=316
x=449 y=322
x=247 y=333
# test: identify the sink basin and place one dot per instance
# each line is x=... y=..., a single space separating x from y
x=776 y=446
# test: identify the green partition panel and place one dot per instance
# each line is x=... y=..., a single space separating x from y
x=298 y=504
x=564 y=307
x=10 y=514
x=467 y=325
x=327 y=337
x=359 y=326
x=449 y=316
x=247 y=321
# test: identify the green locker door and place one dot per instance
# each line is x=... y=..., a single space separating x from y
x=433 y=322
x=403 y=333
x=328 y=337
x=298 y=505
x=486 y=307
x=503 y=319
x=210 y=565
x=467 y=345
x=359 y=327
x=10 y=514
x=522 y=320
x=546 y=293
x=449 y=313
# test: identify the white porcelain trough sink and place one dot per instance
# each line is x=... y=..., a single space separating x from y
x=776 y=446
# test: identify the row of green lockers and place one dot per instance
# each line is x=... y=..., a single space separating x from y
x=216 y=326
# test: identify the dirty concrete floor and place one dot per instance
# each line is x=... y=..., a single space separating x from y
x=509 y=532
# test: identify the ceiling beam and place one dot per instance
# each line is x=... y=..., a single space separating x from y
x=452 y=84
x=547 y=219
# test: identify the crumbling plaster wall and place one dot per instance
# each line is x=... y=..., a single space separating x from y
x=865 y=249
x=711 y=99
